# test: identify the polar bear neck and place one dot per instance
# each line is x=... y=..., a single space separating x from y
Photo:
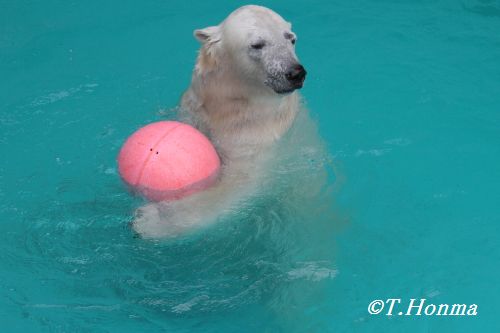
x=239 y=117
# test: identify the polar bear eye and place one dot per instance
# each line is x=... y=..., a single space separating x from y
x=290 y=36
x=258 y=45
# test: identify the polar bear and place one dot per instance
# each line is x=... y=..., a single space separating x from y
x=243 y=96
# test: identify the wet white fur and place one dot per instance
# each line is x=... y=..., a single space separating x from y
x=230 y=102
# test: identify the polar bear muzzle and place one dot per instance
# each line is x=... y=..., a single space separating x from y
x=285 y=78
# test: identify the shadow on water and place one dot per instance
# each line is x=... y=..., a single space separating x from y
x=485 y=8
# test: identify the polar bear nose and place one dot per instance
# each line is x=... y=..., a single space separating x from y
x=296 y=74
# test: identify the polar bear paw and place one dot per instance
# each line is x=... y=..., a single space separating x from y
x=162 y=220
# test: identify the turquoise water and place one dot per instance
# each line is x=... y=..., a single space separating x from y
x=406 y=95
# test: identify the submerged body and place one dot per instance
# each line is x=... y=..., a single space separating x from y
x=243 y=97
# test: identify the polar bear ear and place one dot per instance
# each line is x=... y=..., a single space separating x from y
x=210 y=34
x=209 y=52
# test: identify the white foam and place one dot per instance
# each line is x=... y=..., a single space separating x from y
x=312 y=271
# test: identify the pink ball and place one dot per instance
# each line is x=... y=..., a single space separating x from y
x=168 y=160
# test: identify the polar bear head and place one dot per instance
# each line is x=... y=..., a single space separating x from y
x=255 y=44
